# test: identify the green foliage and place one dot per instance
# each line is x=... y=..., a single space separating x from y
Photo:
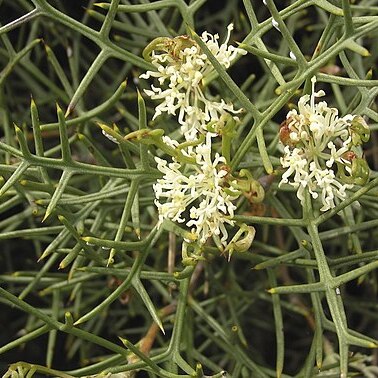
x=92 y=284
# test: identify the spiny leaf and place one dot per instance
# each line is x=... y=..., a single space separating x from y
x=138 y=286
x=59 y=191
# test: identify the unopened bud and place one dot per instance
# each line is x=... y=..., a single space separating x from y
x=250 y=187
x=360 y=171
x=359 y=130
x=239 y=243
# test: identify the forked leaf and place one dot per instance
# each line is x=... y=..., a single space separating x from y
x=355 y=47
x=16 y=176
x=135 y=215
x=125 y=216
x=64 y=141
x=138 y=286
x=74 y=252
x=53 y=333
x=329 y=7
x=86 y=80
x=140 y=354
x=63 y=182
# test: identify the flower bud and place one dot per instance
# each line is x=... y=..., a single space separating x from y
x=359 y=130
x=239 y=243
x=360 y=171
x=250 y=187
x=180 y=43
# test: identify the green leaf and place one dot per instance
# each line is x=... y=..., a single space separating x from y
x=138 y=286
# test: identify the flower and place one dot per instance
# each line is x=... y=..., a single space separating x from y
x=181 y=67
x=317 y=141
x=196 y=194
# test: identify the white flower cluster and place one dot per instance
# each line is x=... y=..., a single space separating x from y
x=199 y=189
x=197 y=193
x=181 y=67
x=317 y=141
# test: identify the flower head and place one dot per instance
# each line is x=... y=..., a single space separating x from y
x=181 y=67
x=320 y=148
x=196 y=196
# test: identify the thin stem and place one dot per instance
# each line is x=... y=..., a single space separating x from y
x=20 y=21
